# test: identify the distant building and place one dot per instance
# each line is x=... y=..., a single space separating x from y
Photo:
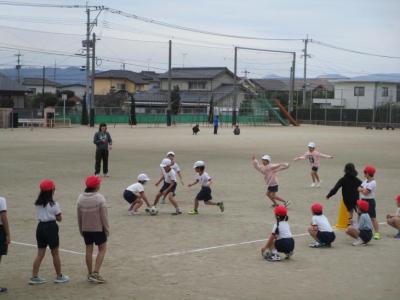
x=12 y=92
x=78 y=89
x=36 y=85
x=112 y=81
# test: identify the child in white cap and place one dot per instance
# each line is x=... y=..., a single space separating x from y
x=169 y=186
x=205 y=193
x=314 y=159
x=175 y=167
x=269 y=171
x=134 y=195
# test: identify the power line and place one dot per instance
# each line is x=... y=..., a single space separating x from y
x=352 y=51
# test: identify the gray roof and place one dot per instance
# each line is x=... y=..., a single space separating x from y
x=284 y=84
x=9 y=85
x=137 y=78
x=71 y=85
x=196 y=73
x=383 y=78
x=38 y=82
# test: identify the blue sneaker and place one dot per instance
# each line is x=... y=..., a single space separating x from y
x=36 y=280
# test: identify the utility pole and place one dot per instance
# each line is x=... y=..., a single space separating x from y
x=18 y=67
x=293 y=76
x=55 y=70
x=43 y=79
x=93 y=77
x=305 y=75
x=235 y=93
x=123 y=66
x=246 y=73
x=87 y=45
x=169 y=83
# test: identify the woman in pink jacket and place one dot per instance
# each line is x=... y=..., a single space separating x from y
x=269 y=171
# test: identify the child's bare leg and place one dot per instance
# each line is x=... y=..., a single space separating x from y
x=271 y=195
x=210 y=202
x=156 y=199
x=276 y=197
x=312 y=176
x=375 y=224
x=132 y=206
x=39 y=258
x=316 y=176
x=137 y=205
x=353 y=232
x=394 y=222
x=313 y=232
x=196 y=204
x=56 y=260
x=172 y=200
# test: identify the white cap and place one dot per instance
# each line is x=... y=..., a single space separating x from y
x=171 y=153
x=199 y=163
x=311 y=145
x=266 y=157
x=143 y=177
x=165 y=162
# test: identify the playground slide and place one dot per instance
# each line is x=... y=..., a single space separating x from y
x=278 y=116
x=285 y=113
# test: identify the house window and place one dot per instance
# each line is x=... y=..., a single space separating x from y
x=385 y=92
x=121 y=86
x=197 y=85
x=359 y=91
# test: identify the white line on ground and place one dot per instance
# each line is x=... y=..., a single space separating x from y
x=35 y=246
x=224 y=246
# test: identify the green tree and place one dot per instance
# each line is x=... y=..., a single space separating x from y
x=85 y=117
x=47 y=99
x=132 y=119
x=175 y=100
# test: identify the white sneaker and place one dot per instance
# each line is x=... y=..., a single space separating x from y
x=312 y=184
x=318 y=185
x=274 y=257
x=358 y=242
x=61 y=279
x=132 y=213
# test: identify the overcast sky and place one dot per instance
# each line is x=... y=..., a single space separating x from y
x=363 y=25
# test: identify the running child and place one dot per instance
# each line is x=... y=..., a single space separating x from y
x=314 y=158
x=169 y=186
x=175 y=167
x=394 y=220
x=134 y=195
x=5 y=238
x=48 y=213
x=93 y=226
x=320 y=229
x=281 y=239
x=362 y=231
x=269 y=171
x=349 y=184
x=367 y=192
x=205 y=193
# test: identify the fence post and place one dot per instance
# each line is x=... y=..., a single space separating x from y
x=358 y=100
x=341 y=107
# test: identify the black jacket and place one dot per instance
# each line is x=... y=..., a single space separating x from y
x=349 y=185
x=102 y=140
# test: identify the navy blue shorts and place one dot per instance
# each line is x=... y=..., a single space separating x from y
x=3 y=245
x=129 y=196
x=326 y=237
x=94 y=237
x=371 y=208
x=285 y=245
x=204 y=194
x=166 y=185
x=47 y=235
x=314 y=169
x=366 y=235
x=273 y=189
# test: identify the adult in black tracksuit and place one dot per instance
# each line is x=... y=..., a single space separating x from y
x=349 y=184
x=103 y=142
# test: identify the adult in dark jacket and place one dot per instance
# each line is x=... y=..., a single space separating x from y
x=102 y=140
x=349 y=184
x=216 y=124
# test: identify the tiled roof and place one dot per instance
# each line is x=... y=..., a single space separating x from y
x=9 y=85
x=122 y=74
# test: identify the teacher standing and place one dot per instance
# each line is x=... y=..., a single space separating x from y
x=102 y=140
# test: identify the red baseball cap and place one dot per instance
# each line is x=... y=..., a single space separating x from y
x=370 y=170
x=363 y=205
x=92 y=181
x=316 y=208
x=280 y=210
x=398 y=198
x=47 y=185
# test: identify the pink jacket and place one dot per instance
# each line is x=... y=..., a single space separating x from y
x=314 y=157
x=269 y=171
x=92 y=213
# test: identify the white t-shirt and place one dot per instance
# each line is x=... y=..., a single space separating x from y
x=398 y=212
x=176 y=168
x=47 y=213
x=170 y=176
x=322 y=223
x=3 y=206
x=136 y=188
x=371 y=186
x=284 y=230
x=203 y=179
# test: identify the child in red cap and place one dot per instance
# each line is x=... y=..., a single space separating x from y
x=320 y=229
x=93 y=225
x=281 y=239
x=5 y=238
x=367 y=192
x=361 y=232
x=394 y=220
x=48 y=213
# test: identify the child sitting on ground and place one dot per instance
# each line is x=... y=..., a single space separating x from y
x=394 y=220
x=361 y=232
x=320 y=229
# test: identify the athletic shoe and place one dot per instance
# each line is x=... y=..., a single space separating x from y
x=312 y=184
x=377 y=236
x=358 y=242
x=274 y=257
x=61 y=279
x=36 y=280
x=178 y=212
x=193 y=212
x=397 y=236
x=106 y=175
x=288 y=255
x=221 y=206
x=315 y=245
x=287 y=203
x=132 y=213
x=3 y=290
x=95 y=278
x=318 y=185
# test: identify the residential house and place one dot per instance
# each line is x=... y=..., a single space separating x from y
x=11 y=92
x=37 y=85
x=78 y=89
x=112 y=81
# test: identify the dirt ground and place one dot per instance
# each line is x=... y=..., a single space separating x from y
x=211 y=255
